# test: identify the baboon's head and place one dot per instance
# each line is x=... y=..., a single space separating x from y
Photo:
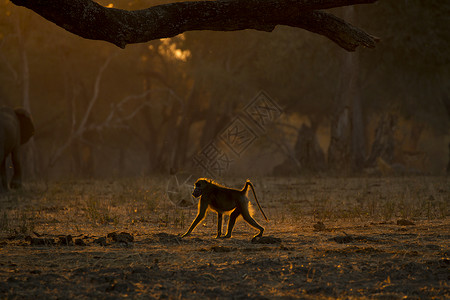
x=199 y=187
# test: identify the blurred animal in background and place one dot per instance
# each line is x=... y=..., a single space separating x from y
x=221 y=200
x=16 y=128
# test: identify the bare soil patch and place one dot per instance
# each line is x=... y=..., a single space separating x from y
x=93 y=240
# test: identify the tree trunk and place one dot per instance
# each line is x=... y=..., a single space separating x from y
x=152 y=138
x=347 y=146
x=446 y=102
x=184 y=130
x=414 y=136
x=384 y=143
x=169 y=142
x=339 y=149
x=448 y=165
x=29 y=149
x=308 y=151
x=358 y=125
x=121 y=161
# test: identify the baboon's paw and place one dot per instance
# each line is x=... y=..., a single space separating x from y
x=256 y=238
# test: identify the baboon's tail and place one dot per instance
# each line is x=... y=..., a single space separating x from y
x=247 y=184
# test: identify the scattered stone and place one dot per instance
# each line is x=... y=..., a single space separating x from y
x=112 y=235
x=121 y=287
x=101 y=241
x=15 y=237
x=284 y=248
x=404 y=222
x=139 y=270
x=40 y=241
x=266 y=240
x=80 y=242
x=343 y=239
x=319 y=226
x=65 y=240
x=256 y=249
x=222 y=249
x=123 y=237
x=386 y=223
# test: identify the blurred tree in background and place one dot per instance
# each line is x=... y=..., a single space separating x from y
x=102 y=111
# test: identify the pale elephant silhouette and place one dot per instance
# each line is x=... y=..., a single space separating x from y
x=16 y=128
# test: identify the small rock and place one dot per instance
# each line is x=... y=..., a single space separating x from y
x=112 y=235
x=80 y=242
x=221 y=249
x=101 y=241
x=319 y=226
x=65 y=240
x=123 y=237
x=121 y=287
x=266 y=240
x=343 y=239
x=40 y=241
x=404 y=222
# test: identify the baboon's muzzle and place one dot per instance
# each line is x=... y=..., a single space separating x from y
x=196 y=193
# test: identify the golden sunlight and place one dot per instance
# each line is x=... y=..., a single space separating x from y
x=169 y=48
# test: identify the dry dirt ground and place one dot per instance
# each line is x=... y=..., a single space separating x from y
x=328 y=238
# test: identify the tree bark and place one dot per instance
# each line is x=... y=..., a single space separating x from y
x=347 y=147
x=448 y=165
x=90 y=20
x=339 y=150
x=29 y=168
x=384 y=143
x=308 y=151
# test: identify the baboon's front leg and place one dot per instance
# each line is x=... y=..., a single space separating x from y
x=219 y=225
x=200 y=216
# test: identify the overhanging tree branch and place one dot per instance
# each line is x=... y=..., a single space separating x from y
x=90 y=20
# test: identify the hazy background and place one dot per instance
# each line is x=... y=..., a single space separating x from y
x=102 y=111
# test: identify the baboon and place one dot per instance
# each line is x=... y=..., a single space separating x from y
x=221 y=200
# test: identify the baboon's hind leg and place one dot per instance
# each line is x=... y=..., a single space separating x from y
x=219 y=225
x=232 y=221
x=253 y=223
